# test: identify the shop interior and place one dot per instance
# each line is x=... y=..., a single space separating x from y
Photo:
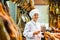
x=14 y=14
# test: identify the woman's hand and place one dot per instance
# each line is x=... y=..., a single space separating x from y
x=36 y=32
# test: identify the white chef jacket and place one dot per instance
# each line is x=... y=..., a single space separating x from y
x=31 y=27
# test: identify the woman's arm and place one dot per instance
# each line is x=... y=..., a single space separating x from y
x=27 y=31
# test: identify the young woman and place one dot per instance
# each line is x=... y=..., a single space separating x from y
x=32 y=29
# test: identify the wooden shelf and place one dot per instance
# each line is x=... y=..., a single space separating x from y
x=41 y=2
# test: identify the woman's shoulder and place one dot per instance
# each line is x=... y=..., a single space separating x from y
x=38 y=23
x=28 y=23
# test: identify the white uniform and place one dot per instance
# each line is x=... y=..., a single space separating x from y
x=31 y=27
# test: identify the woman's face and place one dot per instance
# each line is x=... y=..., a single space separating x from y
x=35 y=17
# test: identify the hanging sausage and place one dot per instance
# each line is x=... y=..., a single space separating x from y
x=11 y=27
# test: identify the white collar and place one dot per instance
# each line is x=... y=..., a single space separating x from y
x=34 y=22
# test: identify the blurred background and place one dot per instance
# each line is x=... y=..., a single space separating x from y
x=19 y=11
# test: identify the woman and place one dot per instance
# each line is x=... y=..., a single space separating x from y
x=32 y=29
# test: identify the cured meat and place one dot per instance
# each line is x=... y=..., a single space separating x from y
x=3 y=33
x=11 y=27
